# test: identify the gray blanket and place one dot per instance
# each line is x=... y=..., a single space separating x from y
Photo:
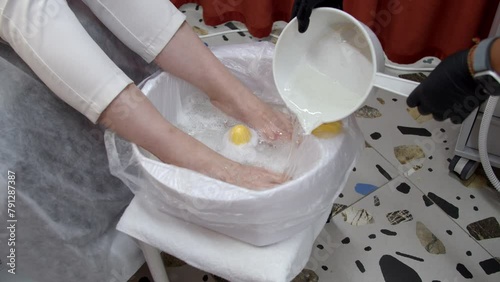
x=67 y=202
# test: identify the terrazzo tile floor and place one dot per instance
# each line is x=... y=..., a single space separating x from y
x=416 y=221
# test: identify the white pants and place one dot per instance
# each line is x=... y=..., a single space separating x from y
x=50 y=39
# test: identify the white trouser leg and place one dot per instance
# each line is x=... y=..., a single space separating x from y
x=2 y=5
x=144 y=26
x=50 y=39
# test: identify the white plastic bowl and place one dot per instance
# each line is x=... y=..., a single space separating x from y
x=344 y=50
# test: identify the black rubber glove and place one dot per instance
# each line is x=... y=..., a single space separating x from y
x=302 y=10
x=449 y=91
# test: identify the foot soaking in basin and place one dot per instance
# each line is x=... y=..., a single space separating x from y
x=229 y=137
x=318 y=168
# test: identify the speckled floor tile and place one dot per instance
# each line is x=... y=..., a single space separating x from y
x=194 y=16
x=405 y=142
x=466 y=205
x=421 y=151
x=371 y=172
x=388 y=248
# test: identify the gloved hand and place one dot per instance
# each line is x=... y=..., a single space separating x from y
x=449 y=92
x=302 y=10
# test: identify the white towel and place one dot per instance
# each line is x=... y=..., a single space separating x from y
x=216 y=253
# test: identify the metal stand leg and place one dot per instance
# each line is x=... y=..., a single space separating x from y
x=154 y=261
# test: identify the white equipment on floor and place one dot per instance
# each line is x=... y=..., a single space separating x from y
x=469 y=144
x=474 y=144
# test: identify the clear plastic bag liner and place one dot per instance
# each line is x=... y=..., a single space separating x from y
x=321 y=166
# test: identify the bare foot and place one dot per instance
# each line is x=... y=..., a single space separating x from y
x=249 y=109
x=251 y=177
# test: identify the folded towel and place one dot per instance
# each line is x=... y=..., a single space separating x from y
x=217 y=253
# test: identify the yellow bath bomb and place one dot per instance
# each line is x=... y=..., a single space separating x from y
x=327 y=130
x=240 y=134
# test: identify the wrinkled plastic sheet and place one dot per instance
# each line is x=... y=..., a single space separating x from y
x=256 y=217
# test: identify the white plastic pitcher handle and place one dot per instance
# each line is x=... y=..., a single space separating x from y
x=402 y=87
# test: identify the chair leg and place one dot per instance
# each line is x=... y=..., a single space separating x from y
x=154 y=261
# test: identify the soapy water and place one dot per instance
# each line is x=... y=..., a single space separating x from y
x=203 y=121
x=329 y=81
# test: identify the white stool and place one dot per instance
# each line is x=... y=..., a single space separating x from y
x=154 y=261
x=213 y=252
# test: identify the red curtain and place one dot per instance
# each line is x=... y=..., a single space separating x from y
x=411 y=29
x=257 y=15
x=407 y=29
